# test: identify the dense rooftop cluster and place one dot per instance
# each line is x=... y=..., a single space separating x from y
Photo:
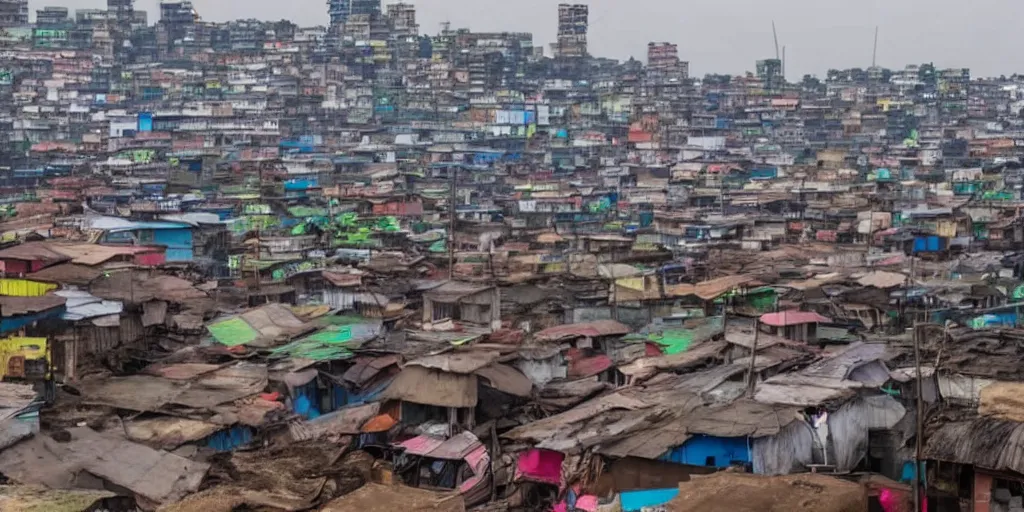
x=356 y=267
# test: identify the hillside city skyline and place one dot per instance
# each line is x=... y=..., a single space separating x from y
x=726 y=37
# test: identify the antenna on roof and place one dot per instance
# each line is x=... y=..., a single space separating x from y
x=776 y=36
x=874 y=51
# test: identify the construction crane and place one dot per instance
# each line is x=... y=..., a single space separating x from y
x=776 y=36
x=781 y=58
x=874 y=50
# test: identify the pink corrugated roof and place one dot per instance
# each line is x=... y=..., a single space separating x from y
x=478 y=460
x=458 y=447
x=787 y=318
x=421 y=445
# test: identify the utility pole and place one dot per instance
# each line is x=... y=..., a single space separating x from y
x=751 y=376
x=918 y=445
x=451 y=220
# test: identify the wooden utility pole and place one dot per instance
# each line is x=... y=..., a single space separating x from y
x=451 y=220
x=918 y=445
x=751 y=376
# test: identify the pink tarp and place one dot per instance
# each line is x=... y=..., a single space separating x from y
x=587 y=502
x=895 y=501
x=540 y=466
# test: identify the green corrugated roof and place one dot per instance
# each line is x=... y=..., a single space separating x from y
x=673 y=342
x=233 y=332
x=307 y=211
x=678 y=339
x=330 y=344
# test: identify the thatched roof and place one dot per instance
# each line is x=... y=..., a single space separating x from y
x=983 y=442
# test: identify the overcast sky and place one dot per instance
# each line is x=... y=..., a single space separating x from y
x=721 y=36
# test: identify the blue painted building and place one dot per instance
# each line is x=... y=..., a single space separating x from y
x=176 y=236
x=719 y=452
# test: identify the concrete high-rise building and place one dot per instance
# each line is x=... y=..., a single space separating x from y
x=121 y=11
x=13 y=13
x=177 y=27
x=662 y=55
x=52 y=17
x=403 y=19
x=663 y=60
x=770 y=71
x=340 y=10
x=121 y=15
x=572 y=31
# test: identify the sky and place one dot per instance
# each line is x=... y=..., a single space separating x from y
x=715 y=36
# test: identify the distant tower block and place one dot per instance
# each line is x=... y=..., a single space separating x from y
x=403 y=19
x=340 y=10
x=13 y=13
x=572 y=31
x=121 y=15
x=123 y=11
x=662 y=56
x=663 y=59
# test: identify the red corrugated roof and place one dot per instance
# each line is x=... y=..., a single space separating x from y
x=589 y=329
x=590 y=366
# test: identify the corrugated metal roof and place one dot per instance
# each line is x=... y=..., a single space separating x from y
x=420 y=445
x=457 y=447
x=82 y=305
x=787 y=318
x=590 y=329
x=119 y=224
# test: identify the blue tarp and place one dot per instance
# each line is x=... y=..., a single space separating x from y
x=14 y=323
x=306 y=400
x=342 y=397
x=230 y=439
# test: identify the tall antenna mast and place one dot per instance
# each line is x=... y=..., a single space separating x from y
x=874 y=51
x=783 y=64
x=776 y=36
